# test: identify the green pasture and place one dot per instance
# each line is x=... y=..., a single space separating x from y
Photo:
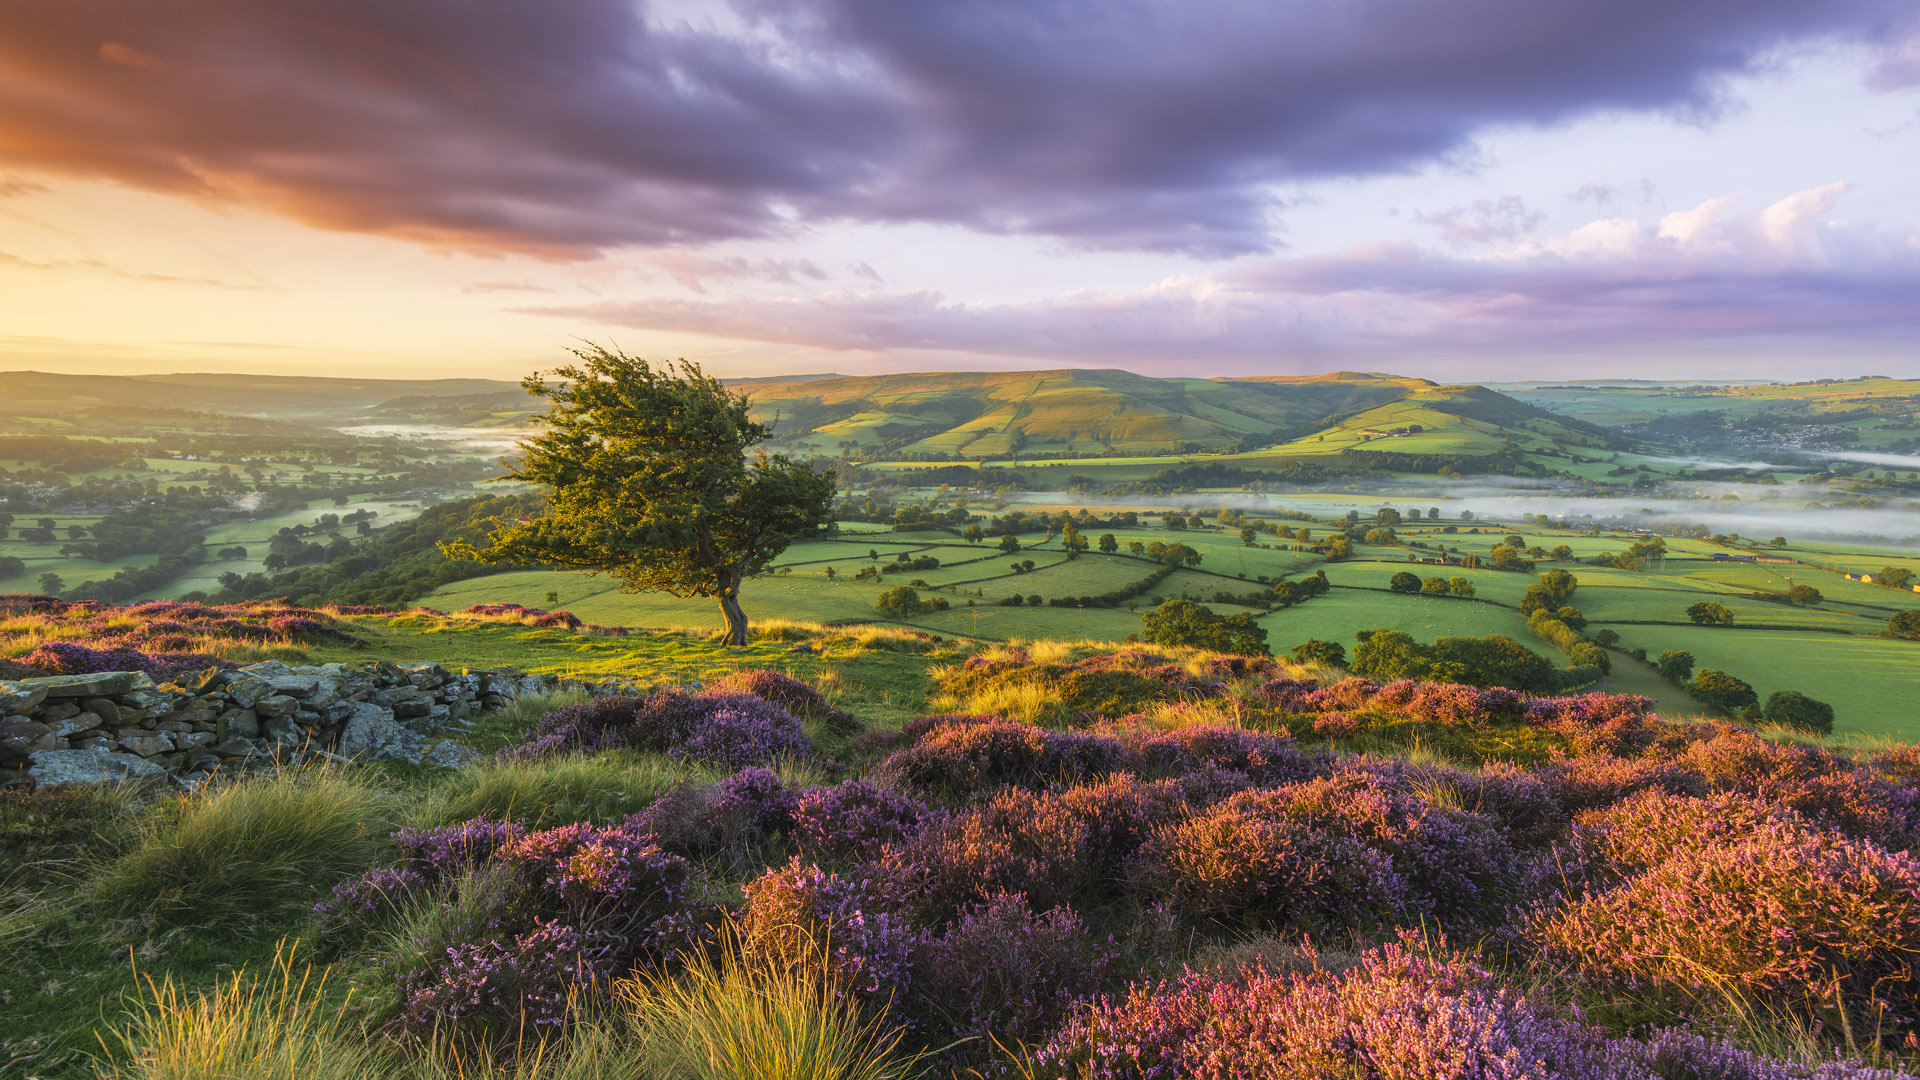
x=1873 y=683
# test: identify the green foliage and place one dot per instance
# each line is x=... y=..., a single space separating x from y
x=1896 y=577
x=1460 y=586
x=247 y=854
x=1315 y=651
x=647 y=477
x=1493 y=660
x=1404 y=582
x=1804 y=594
x=1905 y=624
x=1181 y=622
x=1722 y=691
x=1709 y=613
x=11 y=566
x=1795 y=709
x=599 y=788
x=1676 y=664
x=904 y=602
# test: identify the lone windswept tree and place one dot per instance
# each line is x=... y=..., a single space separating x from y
x=648 y=477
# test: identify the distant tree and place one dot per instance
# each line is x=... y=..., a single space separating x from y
x=1009 y=543
x=52 y=584
x=1324 y=653
x=1562 y=553
x=1795 y=709
x=1778 y=541
x=1413 y=514
x=1709 y=613
x=972 y=533
x=648 y=477
x=1905 y=624
x=1436 y=586
x=553 y=596
x=1073 y=541
x=904 y=601
x=341 y=500
x=1248 y=537
x=830 y=573
x=1572 y=617
x=1607 y=637
x=1897 y=577
x=1460 y=586
x=1381 y=537
x=1404 y=582
x=1676 y=665
x=1387 y=516
x=12 y=566
x=1804 y=594
x=1181 y=622
x=1176 y=521
x=1136 y=547
x=1433 y=513
x=1722 y=691
x=1466 y=515
x=1035 y=600
x=47 y=523
x=1338 y=548
x=1108 y=544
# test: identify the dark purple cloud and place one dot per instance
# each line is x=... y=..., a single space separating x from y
x=569 y=127
x=1700 y=279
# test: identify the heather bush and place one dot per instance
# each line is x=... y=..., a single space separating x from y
x=728 y=821
x=854 y=819
x=1016 y=841
x=1401 y=1014
x=787 y=692
x=800 y=917
x=976 y=756
x=1003 y=971
x=726 y=731
x=545 y=915
x=1746 y=901
x=1342 y=851
x=1263 y=758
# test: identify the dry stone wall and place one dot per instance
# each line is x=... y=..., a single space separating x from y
x=120 y=725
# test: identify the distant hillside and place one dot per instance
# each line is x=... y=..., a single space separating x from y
x=39 y=393
x=1073 y=416
x=976 y=415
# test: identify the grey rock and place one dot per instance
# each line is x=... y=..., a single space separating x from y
x=51 y=767
x=276 y=705
x=242 y=722
x=107 y=711
x=372 y=734
x=451 y=755
x=17 y=698
x=48 y=741
x=267 y=669
x=300 y=686
x=57 y=710
x=92 y=741
x=148 y=744
x=172 y=725
x=193 y=740
x=235 y=748
x=285 y=733
x=247 y=692
x=101 y=684
x=75 y=724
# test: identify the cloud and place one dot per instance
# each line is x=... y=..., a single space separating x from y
x=100 y=267
x=1486 y=221
x=565 y=130
x=694 y=271
x=1690 y=279
x=14 y=187
x=500 y=286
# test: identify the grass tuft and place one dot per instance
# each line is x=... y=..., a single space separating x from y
x=239 y=855
x=601 y=788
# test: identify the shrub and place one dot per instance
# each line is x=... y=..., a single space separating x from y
x=543 y=916
x=802 y=918
x=977 y=756
x=247 y=854
x=1005 y=972
x=1738 y=901
x=1263 y=758
x=728 y=731
x=1721 y=690
x=1794 y=709
x=854 y=819
x=1347 y=850
x=785 y=691
x=1402 y=1013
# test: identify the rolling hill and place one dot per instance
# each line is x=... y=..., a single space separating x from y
x=39 y=393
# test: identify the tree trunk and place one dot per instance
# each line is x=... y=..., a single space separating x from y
x=735 y=616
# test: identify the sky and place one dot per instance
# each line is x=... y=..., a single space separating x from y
x=1470 y=190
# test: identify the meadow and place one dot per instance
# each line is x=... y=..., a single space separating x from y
x=1086 y=863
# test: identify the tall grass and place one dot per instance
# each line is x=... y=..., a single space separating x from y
x=726 y=1020
x=600 y=788
x=715 y=1020
x=245 y=853
x=249 y=1028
